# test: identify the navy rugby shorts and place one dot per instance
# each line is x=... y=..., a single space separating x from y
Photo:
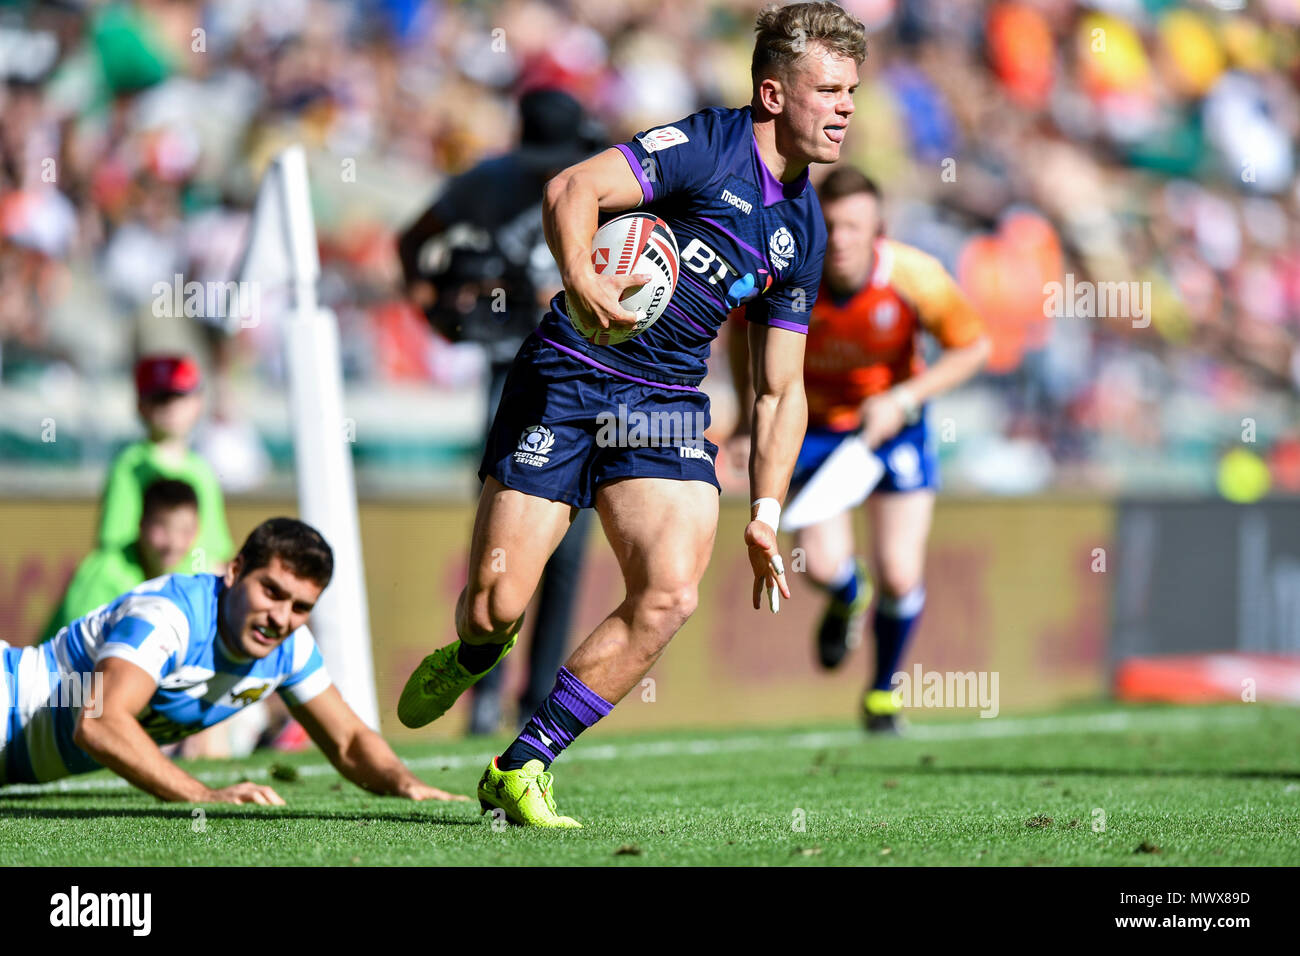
x=565 y=427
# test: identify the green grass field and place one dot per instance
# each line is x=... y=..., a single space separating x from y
x=1209 y=786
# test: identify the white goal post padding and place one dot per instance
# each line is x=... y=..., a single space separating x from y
x=281 y=256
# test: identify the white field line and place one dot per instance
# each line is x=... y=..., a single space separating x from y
x=1116 y=722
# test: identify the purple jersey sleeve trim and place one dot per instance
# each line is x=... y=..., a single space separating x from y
x=789 y=326
x=647 y=189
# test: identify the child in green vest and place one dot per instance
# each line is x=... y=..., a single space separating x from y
x=170 y=404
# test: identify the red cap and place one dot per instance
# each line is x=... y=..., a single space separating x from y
x=166 y=374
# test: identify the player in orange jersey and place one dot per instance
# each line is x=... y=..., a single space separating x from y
x=866 y=381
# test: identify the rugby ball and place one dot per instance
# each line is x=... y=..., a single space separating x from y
x=638 y=243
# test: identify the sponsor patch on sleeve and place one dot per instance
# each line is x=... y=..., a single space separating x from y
x=662 y=138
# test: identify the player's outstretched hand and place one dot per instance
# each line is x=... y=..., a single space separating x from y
x=765 y=559
x=422 y=791
x=596 y=302
x=246 y=792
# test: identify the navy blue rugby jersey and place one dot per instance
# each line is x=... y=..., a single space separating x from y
x=745 y=239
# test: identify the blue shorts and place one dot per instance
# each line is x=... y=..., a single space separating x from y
x=910 y=460
x=564 y=428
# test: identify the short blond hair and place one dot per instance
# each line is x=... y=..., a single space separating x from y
x=786 y=33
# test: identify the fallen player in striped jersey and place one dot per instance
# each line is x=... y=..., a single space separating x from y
x=180 y=653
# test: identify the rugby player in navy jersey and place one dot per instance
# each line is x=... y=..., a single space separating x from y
x=732 y=184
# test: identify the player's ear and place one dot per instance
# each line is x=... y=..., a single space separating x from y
x=771 y=95
x=233 y=568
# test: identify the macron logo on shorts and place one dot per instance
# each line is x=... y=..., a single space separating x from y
x=686 y=451
x=534 y=443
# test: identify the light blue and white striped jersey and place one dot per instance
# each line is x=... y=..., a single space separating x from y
x=168 y=627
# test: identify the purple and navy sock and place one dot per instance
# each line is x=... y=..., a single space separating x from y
x=894 y=622
x=570 y=709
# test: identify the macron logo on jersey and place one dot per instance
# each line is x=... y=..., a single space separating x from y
x=742 y=205
x=662 y=138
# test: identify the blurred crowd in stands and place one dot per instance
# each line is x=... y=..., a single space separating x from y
x=1023 y=143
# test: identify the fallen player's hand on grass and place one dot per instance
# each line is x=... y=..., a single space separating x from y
x=422 y=791
x=765 y=559
x=246 y=792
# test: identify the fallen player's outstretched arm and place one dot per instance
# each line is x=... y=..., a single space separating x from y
x=109 y=731
x=358 y=752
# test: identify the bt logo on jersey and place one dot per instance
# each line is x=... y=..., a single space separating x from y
x=741 y=290
x=702 y=260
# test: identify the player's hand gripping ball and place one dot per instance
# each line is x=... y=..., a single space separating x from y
x=636 y=244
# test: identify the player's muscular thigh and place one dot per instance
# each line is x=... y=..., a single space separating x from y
x=662 y=533
x=514 y=535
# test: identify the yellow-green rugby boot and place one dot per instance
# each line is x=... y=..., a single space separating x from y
x=524 y=795
x=881 y=713
x=436 y=684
